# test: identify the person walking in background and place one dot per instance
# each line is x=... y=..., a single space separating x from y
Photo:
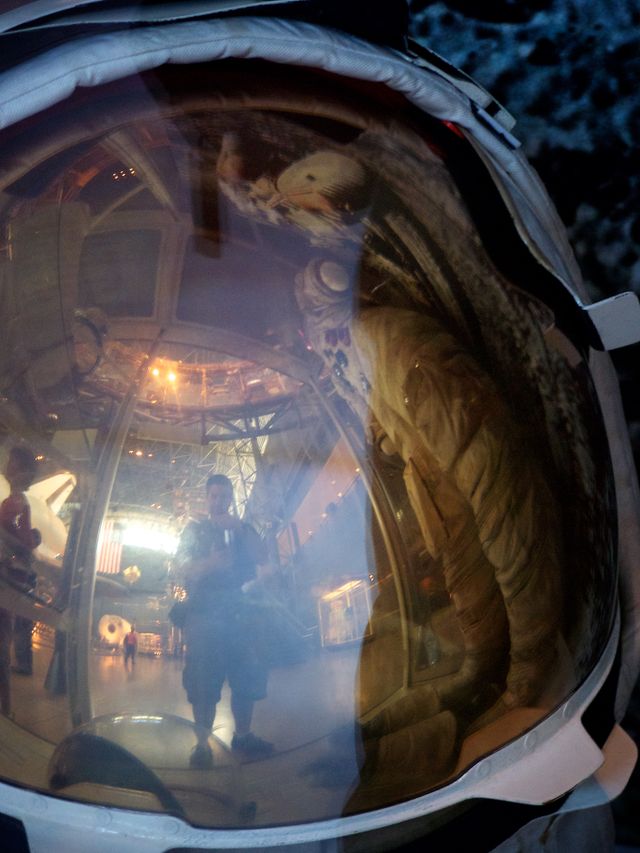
x=130 y=644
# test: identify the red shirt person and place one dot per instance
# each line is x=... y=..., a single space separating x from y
x=130 y=644
x=15 y=520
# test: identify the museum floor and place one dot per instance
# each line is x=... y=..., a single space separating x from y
x=145 y=711
x=298 y=716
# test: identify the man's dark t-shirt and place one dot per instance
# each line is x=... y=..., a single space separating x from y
x=196 y=542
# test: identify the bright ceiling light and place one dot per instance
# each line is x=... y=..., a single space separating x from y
x=153 y=537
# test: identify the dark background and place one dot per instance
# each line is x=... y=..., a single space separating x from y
x=569 y=72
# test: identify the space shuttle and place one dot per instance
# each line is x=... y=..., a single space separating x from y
x=282 y=242
x=47 y=498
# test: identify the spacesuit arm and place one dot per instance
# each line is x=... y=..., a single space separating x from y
x=445 y=413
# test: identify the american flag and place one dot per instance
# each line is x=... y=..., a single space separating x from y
x=109 y=552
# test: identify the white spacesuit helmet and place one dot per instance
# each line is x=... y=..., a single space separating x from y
x=280 y=241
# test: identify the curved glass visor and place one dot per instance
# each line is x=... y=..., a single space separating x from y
x=404 y=559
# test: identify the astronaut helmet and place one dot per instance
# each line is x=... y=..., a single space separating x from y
x=281 y=243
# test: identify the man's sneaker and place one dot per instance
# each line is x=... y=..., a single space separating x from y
x=251 y=746
x=201 y=758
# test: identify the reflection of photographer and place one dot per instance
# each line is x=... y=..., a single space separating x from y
x=217 y=557
x=15 y=519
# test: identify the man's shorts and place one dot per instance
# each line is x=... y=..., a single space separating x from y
x=221 y=644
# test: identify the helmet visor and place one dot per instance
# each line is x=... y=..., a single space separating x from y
x=289 y=284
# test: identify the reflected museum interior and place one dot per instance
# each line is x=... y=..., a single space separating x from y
x=283 y=285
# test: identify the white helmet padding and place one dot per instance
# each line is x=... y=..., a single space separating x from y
x=46 y=80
